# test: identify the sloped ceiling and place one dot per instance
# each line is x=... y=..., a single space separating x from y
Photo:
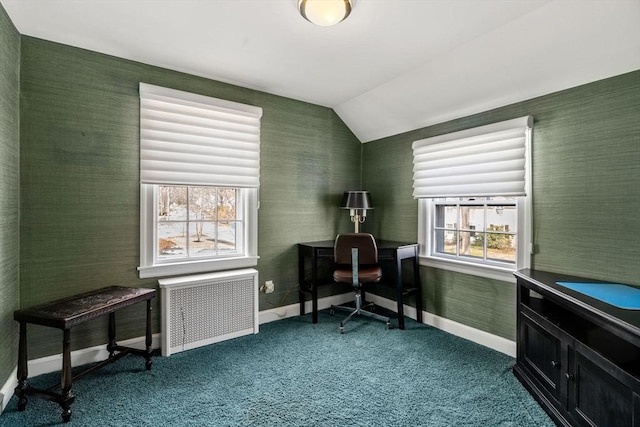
x=391 y=67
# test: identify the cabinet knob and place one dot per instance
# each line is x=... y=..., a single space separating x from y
x=569 y=376
x=555 y=364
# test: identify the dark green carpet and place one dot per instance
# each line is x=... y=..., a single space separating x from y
x=294 y=373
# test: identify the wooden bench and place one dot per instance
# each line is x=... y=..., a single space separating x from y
x=66 y=313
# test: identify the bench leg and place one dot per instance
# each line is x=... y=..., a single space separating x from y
x=112 y=334
x=67 y=397
x=22 y=368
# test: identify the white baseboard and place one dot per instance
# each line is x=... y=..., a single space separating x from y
x=6 y=392
x=293 y=310
x=45 y=365
x=53 y=363
x=461 y=330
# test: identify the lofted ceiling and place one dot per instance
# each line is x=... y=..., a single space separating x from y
x=390 y=67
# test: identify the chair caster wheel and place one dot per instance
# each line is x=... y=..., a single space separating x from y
x=388 y=325
x=332 y=312
x=341 y=329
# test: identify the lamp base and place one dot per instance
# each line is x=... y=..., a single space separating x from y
x=357 y=220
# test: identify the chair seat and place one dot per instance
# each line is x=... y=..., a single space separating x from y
x=371 y=274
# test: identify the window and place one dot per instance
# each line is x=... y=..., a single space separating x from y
x=198 y=222
x=474 y=199
x=199 y=173
x=480 y=229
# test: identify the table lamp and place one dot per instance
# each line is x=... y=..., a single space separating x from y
x=357 y=202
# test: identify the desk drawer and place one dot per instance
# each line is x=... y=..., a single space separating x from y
x=325 y=253
x=386 y=254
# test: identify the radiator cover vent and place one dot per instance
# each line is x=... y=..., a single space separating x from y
x=207 y=308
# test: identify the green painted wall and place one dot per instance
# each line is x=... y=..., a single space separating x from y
x=80 y=191
x=9 y=193
x=586 y=175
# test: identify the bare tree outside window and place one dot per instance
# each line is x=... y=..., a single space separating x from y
x=196 y=221
x=461 y=229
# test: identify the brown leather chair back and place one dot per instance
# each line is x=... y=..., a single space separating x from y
x=366 y=244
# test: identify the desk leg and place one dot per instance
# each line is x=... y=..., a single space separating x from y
x=22 y=368
x=301 y=300
x=314 y=289
x=314 y=295
x=418 y=284
x=399 y=292
x=301 y=295
x=148 y=350
x=67 y=377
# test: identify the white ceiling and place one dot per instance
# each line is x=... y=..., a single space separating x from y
x=391 y=67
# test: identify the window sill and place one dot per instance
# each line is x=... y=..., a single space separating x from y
x=490 y=272
x=190 y=267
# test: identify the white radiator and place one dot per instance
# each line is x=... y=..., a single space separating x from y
x=207 y=308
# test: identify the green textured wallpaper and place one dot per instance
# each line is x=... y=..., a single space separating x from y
x=80 y=191
x=78 y=219
x=586 y=173
x=9 y=192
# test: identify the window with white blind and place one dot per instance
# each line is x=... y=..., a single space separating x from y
x=199 y=179
x=474 y=197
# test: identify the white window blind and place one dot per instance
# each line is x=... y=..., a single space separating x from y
x=486 y=161
x=192 y=139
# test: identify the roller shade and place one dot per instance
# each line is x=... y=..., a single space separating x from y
x=190 y=139
x=485 y=161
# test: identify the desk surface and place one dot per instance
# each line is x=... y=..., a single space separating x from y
x=382 y=244
x=66 y=312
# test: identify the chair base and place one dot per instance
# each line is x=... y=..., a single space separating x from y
x=359 y=310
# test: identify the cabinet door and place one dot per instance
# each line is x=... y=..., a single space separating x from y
x=540 y=352
x=599 y=393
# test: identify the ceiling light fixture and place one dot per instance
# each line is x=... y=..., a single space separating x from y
x=324 y=13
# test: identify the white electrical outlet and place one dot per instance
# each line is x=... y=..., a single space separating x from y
x=269 y=286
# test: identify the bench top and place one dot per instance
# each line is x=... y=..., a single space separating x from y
x=67 y=312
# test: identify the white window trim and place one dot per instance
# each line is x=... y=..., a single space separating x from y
x=150 y=268
x=525 y=247
x=426 y=213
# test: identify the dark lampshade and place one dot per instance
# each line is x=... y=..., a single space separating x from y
x=356 y=200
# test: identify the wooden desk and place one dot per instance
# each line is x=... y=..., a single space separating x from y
x=387 y=250
x=66 y=313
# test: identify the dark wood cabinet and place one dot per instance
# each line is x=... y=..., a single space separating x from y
x=598 y=394
x=541 y=355
x=578 y=356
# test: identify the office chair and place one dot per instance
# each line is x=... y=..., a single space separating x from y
x=356 y=258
